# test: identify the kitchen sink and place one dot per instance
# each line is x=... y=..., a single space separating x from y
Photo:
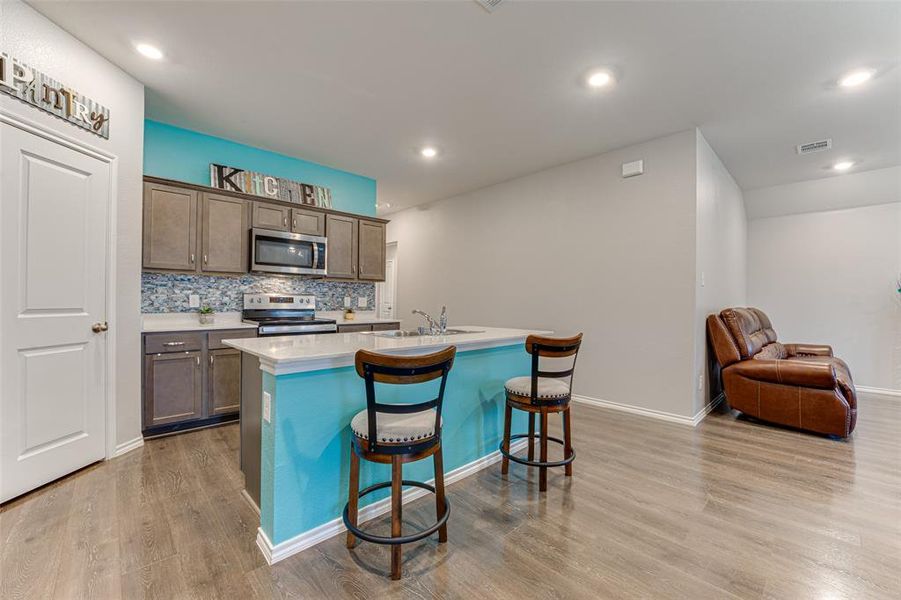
x=399 y=333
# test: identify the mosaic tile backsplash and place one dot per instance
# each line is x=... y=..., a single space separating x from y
x=168 y=292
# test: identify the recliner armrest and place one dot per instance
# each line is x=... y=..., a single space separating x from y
x=808 y=349
x=787 y=372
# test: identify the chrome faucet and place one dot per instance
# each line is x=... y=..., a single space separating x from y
x=435 y=327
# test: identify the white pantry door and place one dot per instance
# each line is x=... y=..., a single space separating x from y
x=53 y=271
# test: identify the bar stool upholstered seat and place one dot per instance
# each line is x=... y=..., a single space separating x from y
x=396 y=428
x=542 y=393
x=548 y=387
x=396 y=434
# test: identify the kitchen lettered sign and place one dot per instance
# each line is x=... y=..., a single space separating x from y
x=277 y=188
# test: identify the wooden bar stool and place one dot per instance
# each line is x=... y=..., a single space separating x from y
x=396 y=434
x=542 y=393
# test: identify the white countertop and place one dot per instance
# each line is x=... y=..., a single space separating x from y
x=166 y=322
x=362 y=317
x=300 y=353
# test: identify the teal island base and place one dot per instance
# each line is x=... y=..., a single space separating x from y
x=305 y=456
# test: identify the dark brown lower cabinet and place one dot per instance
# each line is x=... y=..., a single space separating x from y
x=224 y=382
x=172 y=388
x=191 y=379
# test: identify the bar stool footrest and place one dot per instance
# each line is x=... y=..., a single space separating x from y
x=537 y=463
x=406 y=539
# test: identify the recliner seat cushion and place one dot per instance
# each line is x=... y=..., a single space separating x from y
x=548 y=387
x=394 y=428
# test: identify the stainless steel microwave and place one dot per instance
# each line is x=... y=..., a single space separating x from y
x=286 y=252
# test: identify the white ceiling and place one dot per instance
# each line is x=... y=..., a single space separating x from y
x=362 y=85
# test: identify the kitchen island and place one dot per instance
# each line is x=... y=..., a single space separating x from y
x=306 y=394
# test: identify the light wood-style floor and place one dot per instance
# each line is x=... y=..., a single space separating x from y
x=729 y=509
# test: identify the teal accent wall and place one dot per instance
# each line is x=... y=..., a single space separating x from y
x=306 y=447
x=185 y=155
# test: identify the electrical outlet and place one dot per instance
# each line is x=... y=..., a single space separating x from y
x=193 y=301
x=362 y=302
x=267 y=407
x=346 y=301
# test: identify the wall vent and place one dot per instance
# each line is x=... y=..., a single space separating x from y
x=817 y=146
x=489 y=5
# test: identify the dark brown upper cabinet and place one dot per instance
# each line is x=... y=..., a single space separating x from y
x=372 y=251
x=197 y=229
x=271 y=216
x=341 y=254
x=224 y=237
x=308 y=222
x=170 y=227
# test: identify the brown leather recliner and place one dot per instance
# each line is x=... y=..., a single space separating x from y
x=798 y=385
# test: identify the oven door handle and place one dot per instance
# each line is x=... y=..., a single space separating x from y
x=297 y=329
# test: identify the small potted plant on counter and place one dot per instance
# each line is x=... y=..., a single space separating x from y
x=207 y=315
x=349 y=314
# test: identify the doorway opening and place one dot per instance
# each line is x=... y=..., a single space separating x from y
x=386 y=291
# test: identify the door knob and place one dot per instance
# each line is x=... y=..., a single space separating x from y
x=99 y=327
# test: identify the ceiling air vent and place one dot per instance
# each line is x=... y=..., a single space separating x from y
x=817 y=146
x=489 y=5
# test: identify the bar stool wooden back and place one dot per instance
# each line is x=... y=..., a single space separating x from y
x=542 y=393
x=396 y=434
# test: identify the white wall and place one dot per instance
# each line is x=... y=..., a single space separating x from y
x=573 y=248
x=30 y=37
x=849 y=190
x=830 y=277
x=721 y=254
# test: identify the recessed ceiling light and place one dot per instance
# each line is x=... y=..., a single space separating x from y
x=855 y=78
x=598 y=79
x=843 y=165
x=383 y=205
x=149 y=51
x=429 y=152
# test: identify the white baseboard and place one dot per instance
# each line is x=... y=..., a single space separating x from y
x=128 y=446
x=695 y=420
x=885 y=392
x=275 y=553
x=250 y=501
x=636 y=410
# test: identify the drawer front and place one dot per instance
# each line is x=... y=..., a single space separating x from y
x=216 y=337
x=155 y=343
x=385 y=326
x=354 y=328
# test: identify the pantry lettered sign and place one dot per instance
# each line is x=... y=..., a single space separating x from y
x=33 y=87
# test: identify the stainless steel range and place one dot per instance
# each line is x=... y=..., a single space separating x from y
x=285 y=314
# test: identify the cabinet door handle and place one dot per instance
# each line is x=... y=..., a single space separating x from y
x=211 y=359
x=353 y=268
x=197 y=358
x=204 y=259
x=170 y=344
x=285 y=221
x=192 y=258
x=294 y=223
